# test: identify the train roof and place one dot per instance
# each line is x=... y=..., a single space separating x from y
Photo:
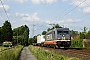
x=61 y=29
x=58 y=29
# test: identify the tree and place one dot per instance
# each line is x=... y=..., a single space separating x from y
x=55 y=26
x=85 y=30
x=49 y=29
x=88 y=32
x=35 y=39
x=82 y=36
x=30 y=41
x=84 y=33
x=26 y=34
x=44 y=32
x=7 y=31
x=0 y=36
x=73 y=32
x=21 y=35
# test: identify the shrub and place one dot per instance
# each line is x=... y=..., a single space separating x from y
x=11 y=54
x=76 y=44
x=87 y=45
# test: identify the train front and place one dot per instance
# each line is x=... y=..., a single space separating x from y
x=63 y=37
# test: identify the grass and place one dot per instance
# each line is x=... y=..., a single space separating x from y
x=42 y=54
x=11 y=54
x=2 y=48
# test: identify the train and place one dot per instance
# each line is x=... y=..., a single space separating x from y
x=56 y=38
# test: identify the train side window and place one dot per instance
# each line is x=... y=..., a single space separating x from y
x=54 y=32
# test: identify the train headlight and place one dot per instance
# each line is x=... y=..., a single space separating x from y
x=63 y=38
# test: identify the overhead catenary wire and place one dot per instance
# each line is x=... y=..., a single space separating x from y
x=4 y=10
x=61 y=12
x=72 y=9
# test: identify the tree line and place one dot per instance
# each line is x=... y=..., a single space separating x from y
x=21 y=35
x=18 y=35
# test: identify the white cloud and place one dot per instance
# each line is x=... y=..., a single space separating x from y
x=64 y=0
x=86 y=10
x=43 y=1
x=84 y=7
x=76 y=3
x=1 y=18
x=72 y=21
x=22 y=15
x=21 y=1
x=48 y=22
x=8 y=14
x=1 y=21
x=84 y=4
x=35 y=17
x=5 y=0
x=5 y=6
x=65 y=21
x=28 y=17
x=68 y=22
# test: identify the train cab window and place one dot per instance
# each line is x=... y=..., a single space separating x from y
x=66 y=32
x=59 y=32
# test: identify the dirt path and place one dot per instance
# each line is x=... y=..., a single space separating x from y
x=26 y=55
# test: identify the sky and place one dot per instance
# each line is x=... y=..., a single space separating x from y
x=74 y=14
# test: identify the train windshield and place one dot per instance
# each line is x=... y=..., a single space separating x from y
x=66 y=32
x=62 y=32
x=59 y=32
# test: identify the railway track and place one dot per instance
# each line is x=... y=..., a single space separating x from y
x=82 y=54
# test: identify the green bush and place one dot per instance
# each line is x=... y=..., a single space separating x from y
x=11 y=54
x=76 y=44
x=87 y=45
x=42 y=54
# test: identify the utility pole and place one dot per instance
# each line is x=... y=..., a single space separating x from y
x=33 y=30
x=17 y=37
